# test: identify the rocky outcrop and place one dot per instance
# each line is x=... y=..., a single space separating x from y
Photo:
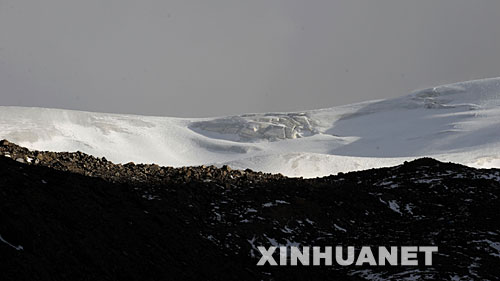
x=152 y=174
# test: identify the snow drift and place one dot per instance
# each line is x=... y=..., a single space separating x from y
x=457 y=122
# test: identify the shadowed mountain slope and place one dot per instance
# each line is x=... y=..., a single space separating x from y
x=72 y=216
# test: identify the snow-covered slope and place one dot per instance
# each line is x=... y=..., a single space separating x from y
x=458 y=122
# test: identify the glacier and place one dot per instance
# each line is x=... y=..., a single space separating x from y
x=457 y=122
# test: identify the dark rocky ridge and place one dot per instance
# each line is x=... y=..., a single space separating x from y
x=151 y=174
x=78 y=217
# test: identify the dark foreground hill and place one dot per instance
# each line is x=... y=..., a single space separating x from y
x=70 y=216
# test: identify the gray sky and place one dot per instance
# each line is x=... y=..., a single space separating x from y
x=222 y=57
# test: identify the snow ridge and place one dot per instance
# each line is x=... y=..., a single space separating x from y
x=457 y=122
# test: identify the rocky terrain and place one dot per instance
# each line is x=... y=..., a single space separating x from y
x=145 y=174
x=71 y=216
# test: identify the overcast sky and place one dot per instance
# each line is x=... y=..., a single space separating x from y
x=222 y=57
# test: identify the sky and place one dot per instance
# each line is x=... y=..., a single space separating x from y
x=198 y=58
